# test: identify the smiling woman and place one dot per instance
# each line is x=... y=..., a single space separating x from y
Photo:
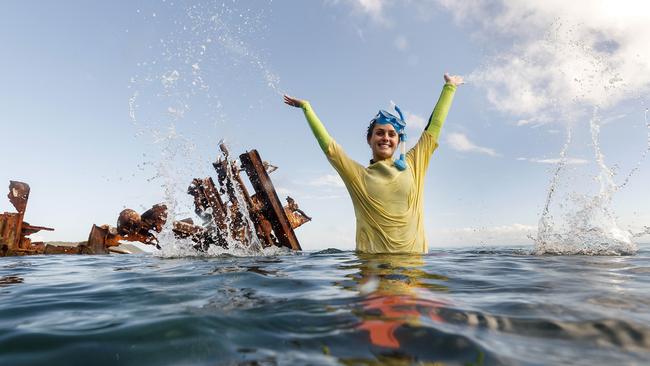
x=386 y=195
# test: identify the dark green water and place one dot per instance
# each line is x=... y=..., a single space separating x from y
x=452 y=307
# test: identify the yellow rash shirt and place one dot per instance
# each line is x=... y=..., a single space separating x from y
x=388 y=203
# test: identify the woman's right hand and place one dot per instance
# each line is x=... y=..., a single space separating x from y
x=454 y=79
x=294 y=102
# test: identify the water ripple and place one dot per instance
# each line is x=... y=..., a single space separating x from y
x=455 y=306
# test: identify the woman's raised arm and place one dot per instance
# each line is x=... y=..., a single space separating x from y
x=321 y=134
x=441 y=109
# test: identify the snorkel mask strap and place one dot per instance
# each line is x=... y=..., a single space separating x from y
x=400 y=163
x=399 y=111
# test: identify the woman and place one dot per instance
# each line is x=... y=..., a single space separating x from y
x=387 y=195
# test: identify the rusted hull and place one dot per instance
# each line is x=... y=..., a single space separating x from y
x=271 y=207
x=227 y=210
x=14 y=231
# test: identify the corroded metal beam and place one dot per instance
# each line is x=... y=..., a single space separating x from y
x=272 y=208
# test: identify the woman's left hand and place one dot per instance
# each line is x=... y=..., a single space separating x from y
x=294 y=102
x=454 y=79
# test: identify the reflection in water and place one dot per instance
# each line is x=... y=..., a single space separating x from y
x=391 y=287
x=399 y=311
x=10 y=280
x=497 y=307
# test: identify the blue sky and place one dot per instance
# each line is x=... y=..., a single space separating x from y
x=114 y=105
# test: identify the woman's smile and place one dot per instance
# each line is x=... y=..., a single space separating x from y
x=383 y=141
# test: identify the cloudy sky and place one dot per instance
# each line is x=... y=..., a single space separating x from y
x=113 y=105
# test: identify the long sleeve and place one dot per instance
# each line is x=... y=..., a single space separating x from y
x=349 y=170
x=321 y=134
x=439 y=113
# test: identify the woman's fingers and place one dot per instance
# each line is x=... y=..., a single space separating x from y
x=454 y=79
x=292 y=101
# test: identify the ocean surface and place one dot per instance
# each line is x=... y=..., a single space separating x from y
x=470 y=306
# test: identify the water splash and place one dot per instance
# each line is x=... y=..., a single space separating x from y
x=179 y=97
x=240 y=232
x=251 y=243
x=545 y=228
x=584 y=77
x=590 y=226
x=206 y=62
x=643 y=156
x=646 y=231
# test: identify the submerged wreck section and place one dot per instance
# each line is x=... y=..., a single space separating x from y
x=230 y=215
x=15 y=232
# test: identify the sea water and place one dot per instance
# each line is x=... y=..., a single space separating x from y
x=468 y=306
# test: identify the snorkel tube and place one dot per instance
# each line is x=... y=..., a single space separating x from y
x=399 y=124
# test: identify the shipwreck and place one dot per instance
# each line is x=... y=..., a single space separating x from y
x=227 y=210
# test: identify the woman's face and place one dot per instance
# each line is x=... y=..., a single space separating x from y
x=383 y=141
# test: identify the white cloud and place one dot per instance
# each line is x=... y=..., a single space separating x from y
x=327 y=180
x=548 y=55
x=414 y=125
x=533 y=122
x=551 y=55
x=372 y=8
x=341 y=236
x=569 y=161
x=460 y=142
x=512 y=234
x=611 y=119
x=551 y=58
x=414 y=122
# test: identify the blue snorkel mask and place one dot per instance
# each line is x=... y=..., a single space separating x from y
x=399 y=124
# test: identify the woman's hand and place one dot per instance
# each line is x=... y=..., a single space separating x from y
x=454 y=79
x=294 y=102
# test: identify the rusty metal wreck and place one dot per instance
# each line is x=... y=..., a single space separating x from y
x=263 y=219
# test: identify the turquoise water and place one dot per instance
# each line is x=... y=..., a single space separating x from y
x=453 y=306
